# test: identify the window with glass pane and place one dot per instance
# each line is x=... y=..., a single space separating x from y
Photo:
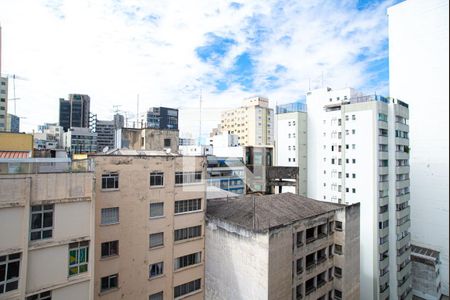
x=156 y=269
x=78 y=258
x=188 y=233
x=110 y=249
x=109 y=282
x=156 y=239
x=9 y=272
x=187 y=288
x=187 y=205
x=188 y=260
x=110 y=181
x=41 y=226
x=156 y=179
x=110 y=215
x=157 y=296
x=156 y=209
x=41 y=296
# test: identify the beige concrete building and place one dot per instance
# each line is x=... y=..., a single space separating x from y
x=149 y=225
x=3 y=103
x=46 y=229
x=281 y=246
x=147 y=139
x=252 y=122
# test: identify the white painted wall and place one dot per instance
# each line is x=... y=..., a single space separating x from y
x=11 y=227
x=419 y=75
x=237 y=263
x=71 y=220
x=72 y=292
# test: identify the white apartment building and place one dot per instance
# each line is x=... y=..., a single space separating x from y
x=3 y=102
x=291 y=141
x=46 y=229
x=419 y=72
x=358 y=151
x=252 y=122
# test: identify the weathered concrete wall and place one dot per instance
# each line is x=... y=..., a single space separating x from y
x=280 y=263
x=237 y=263
x=350 y=268
x=424 y=279
x=148 y=139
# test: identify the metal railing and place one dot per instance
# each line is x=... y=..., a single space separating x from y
x=40 y=167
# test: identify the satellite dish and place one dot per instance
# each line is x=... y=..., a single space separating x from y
x=105 y=149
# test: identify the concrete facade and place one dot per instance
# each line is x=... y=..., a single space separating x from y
x=425 y=269
x=79 y=140
x=64 y=203
x=419 y=73
x=133 y=198
x=273 y=258
x=105 y=134
x=252 y=122
x=291 y=141
x=358 y=151
x=3 y=102
x=147 y=139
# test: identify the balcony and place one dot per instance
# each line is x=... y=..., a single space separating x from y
x=383 y=155
x=320 y=283
x=384 y=263
x=383 y=232
x=402 y=169
x=403 y=286
x=310 y=266
x=402 y=257
x=383 y=170
x=321 y=260
x=383 y=185
x=401 y=141
x=402 y=184
x=383 y=216
x=401 y=155
x=384 y=293
x=404 y=241
x=383 y=248
x=382 y=139
x=405 y=271
x=403 y=213
x=383 y=201
x=309 y=290
x=402 y=198
x=384 y=278
x=404 y=227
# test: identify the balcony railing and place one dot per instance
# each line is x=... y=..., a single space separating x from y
x=321 y=259
x=320 y=283
x=310 y=239
x=310 y=290
x=47 y=166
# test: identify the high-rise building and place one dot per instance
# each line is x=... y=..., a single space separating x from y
x=13 y=124
x=3 y=103
x=150 y=228
x=106 y=132
x=162 y=118
x=80 y=140
x=74 y=112
x=419 y=72
x=358 y=151
x=281 y=246
x=290 y=140
x=46 y=229
x=252 y=122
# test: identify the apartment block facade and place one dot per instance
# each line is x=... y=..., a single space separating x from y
x=419 y=72
x=75 y=111
x=150 y=208
x=46 y=229
x=358 y=151
x=291 y=140
x=281 y=246
x=3 y=102
x=252 y=122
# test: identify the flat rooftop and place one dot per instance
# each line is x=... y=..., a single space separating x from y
x=424 y=251
x=261 y=213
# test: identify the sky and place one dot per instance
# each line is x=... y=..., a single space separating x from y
x=142 y=53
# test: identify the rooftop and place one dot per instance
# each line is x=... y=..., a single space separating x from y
x=131 y=152
x=291 y=107
x=417 y=250
x=261 y=213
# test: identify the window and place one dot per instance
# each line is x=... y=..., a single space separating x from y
x=157 y=296
x=353 y=191
x=188 y=177
x=299 y=265
x=156 y=269
x=156 y=179
x=187 y=288
x=353 y=175
x=109 y=282
x=78 y=258
x=110 y=216
x=110 y=181
x=110 y=249
x=338 y=225
x=156 y=239
x=338 y=249
x=382 y=117
x=9 y=272
x=354 y=161
x=299 y=238
x=167 y=142
x=156 y=209
x=188 y=260
x=337 y=294
x=353 y=117
x=41 y=222
x=188 y=233
x=188 y=205
x=41 y=296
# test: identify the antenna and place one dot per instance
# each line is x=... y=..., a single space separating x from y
x=137 y=111
x=200 y=120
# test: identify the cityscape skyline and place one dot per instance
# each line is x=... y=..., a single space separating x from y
x=175 y=54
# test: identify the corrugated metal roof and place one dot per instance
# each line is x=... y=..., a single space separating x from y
x=15 y=154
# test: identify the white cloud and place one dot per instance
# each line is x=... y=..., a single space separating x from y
x=113 y=50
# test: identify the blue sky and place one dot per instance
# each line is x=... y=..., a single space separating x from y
x=172 y=52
